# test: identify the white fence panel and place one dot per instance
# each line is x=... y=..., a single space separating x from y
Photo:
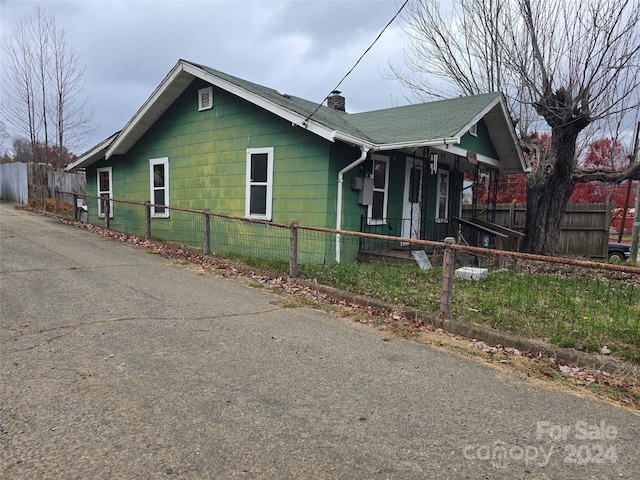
x=14 y=184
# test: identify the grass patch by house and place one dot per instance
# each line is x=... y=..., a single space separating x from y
x=567 y=309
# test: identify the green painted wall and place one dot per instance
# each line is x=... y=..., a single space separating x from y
x=207 y=165
x=207 y=170
x=481 y=144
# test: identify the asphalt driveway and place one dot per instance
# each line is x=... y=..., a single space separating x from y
x=116 y=363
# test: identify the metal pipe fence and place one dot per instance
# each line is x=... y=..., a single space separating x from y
x=567 y=302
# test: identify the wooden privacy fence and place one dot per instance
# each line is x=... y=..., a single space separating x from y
x=34 y=182
x=585 y=226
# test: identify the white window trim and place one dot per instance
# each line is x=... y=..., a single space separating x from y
x=446 y=205
x=204 y=91
x=159 y=161
x=110 y=192
x=383 y=221
x=269 y=183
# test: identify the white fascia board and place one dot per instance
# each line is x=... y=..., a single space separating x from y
x=514 y=137
x=463 y=153
x=91 y=155
x=289 y=115
x=355 y=141
x=157 y=93
x=344 y=137
x=440 y=142
x=507 y=119
x=481 y=115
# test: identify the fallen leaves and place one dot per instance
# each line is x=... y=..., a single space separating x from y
x=622 y=389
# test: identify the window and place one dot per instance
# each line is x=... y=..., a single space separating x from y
x=205 y=99
x=377 y=214
x=259 y=193
x=443 y=196
x=159 y=179
x=105 y=190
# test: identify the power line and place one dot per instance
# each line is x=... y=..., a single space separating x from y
x=356 y=64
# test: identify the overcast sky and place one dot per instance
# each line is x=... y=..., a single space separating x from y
x=302 y=47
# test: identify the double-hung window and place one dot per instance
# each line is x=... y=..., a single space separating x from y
x=259 y=192
x=105 y=190
x=377 y=212
x=159 y=179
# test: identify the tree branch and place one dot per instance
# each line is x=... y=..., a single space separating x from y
x=608 y=175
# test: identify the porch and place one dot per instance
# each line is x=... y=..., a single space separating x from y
x=473 y=232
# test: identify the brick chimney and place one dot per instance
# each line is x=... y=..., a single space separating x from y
x=336 y=101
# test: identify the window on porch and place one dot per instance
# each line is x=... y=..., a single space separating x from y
x=377 y=211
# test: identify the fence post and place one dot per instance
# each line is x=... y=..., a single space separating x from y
x=147 y=220
x=206 y=242
x=75 y=207
x=293 y=250
x=448 y=262
x=107 y=211
x=56 y=202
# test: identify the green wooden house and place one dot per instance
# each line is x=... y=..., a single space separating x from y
x=208 y=140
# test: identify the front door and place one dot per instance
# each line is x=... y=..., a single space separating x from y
x=412 y=198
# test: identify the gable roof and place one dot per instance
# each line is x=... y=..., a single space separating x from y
x=409 y=127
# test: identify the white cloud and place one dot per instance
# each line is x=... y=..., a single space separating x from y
x=301 y=47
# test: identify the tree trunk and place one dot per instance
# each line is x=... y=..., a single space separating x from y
x=548 y=191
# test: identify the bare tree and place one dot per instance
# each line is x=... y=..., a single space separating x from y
x=4 y=137
x=72 y=119
x=44 y=85
x=567 y=68
x=18 y=79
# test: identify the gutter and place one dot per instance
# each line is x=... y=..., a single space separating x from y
x=363 y=155
x=381 y=147
x=364 y=149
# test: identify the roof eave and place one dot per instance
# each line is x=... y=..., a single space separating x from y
x=134 y=129
x=479 y=116
x=91 y=156
x=499 y=100
x=418 y=144
x=360 y=142
x=295 y=118
x=514 y=136
x=121 y=146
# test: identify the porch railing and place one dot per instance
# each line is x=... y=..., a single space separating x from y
x=429 y=229
x=476 y=233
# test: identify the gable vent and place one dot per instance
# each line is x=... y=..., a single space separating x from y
x=205 y=98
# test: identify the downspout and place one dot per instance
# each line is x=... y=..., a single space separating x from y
x=363 y=155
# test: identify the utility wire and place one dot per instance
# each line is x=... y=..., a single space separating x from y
x=306 y=120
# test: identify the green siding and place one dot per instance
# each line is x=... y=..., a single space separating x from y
x=207 y=169
x=481 y=144
x=207 y=164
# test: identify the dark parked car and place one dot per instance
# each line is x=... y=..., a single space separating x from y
x=619 y=252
